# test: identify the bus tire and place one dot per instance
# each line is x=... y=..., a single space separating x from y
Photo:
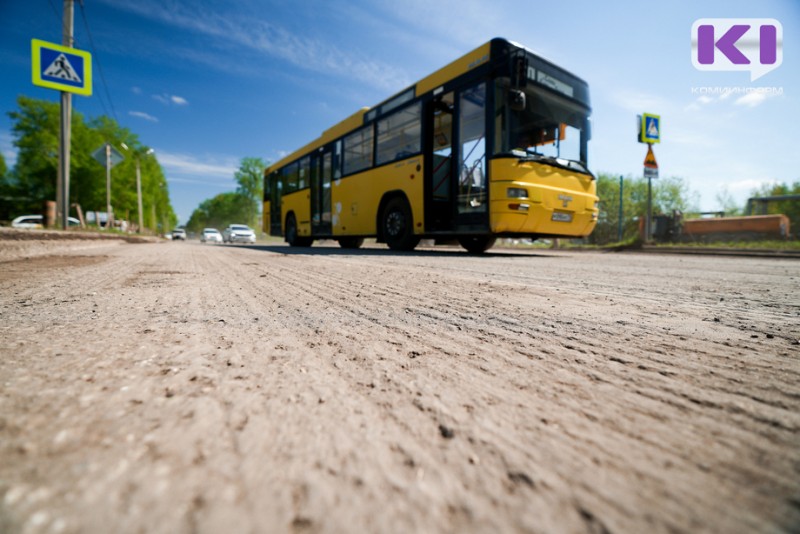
x=292 y=237
x=398 y=225
x=477 y=244
x=351 y=242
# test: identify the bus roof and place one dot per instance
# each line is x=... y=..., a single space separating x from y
x=492 y=50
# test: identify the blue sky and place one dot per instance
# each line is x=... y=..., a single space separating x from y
x=206 y=83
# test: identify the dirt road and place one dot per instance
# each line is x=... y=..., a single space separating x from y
x=177 y=387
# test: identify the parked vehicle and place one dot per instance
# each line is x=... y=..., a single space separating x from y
x=239 y=233
x=37 y=221
x=211 y=235
x=179 y=234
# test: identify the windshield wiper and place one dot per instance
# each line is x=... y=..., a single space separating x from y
x=563 y=163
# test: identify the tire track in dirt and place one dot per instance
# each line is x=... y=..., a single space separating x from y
x=236 y=388
x=320 y=290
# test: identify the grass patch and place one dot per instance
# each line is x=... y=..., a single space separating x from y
x=635 y=243
x=742 y=245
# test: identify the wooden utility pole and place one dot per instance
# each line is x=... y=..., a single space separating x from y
x=62 y=181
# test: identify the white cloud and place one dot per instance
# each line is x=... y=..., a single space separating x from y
x=697 y=105
x=637 y=102
x=307 y=52
x=749 y=185
x=221 y=185
x=693 y=138
x=748 y=99
x=143 y=115
x=751 y=99
x=136 y=90
x=168 y=99
x=186 y=164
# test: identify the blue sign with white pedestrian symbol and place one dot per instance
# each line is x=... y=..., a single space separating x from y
x=62 y=68
x=650 y=129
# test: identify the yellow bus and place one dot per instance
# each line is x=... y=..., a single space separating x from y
x=492 y=145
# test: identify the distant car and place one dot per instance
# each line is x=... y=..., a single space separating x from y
x=238 y=233
x=37 y=221
x=211 y=235
x=179 y=234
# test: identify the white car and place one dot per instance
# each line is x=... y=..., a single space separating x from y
x=179 y=234
x=211 y=235
x=37 y=221
x=239 y=233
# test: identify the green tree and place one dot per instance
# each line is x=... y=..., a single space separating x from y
x=36 y=126
x=219 y=211
x=36 y=130
x=3 y=169
x=123 y=175
x=158 y=214
x=790 y=208
x=727 y=204
x=250 y=178
x=669 y=194
x=241 y=206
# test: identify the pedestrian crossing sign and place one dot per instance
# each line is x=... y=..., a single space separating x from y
x=650 y=128
x=61 y=67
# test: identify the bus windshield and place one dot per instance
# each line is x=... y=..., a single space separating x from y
x=541 y=126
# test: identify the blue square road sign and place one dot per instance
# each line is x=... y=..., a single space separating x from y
x=62 y=68
x=650 y=129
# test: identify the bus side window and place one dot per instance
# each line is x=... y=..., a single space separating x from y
x=399 y=134
x=290 y=178
x=358 y=149
x=337 y=161
x=304 y=174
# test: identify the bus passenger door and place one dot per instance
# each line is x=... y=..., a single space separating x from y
x=321 y=174
x=275 y=188
x=472 y=198
x=439 y=165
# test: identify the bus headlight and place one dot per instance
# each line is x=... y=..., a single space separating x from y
x=517 y=192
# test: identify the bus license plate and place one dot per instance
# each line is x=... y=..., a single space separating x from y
x=562 y=217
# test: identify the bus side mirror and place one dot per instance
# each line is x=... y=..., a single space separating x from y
x=517 y=100
x=519 y=74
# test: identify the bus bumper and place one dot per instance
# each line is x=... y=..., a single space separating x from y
x=553 y=213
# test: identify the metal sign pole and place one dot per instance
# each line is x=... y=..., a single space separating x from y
x=139 y=193
x=106 y=155
x=108 y=186
x=647 y=227
x=619 y=222
x=650 y=172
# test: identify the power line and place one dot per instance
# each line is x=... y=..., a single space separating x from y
x=97 y=62
x=59 y=18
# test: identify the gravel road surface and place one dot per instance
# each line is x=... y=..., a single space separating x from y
x=180 y=387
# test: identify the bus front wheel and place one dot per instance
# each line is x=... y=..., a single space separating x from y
x=477 y=244
x=292 y=237
x=398 y=225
